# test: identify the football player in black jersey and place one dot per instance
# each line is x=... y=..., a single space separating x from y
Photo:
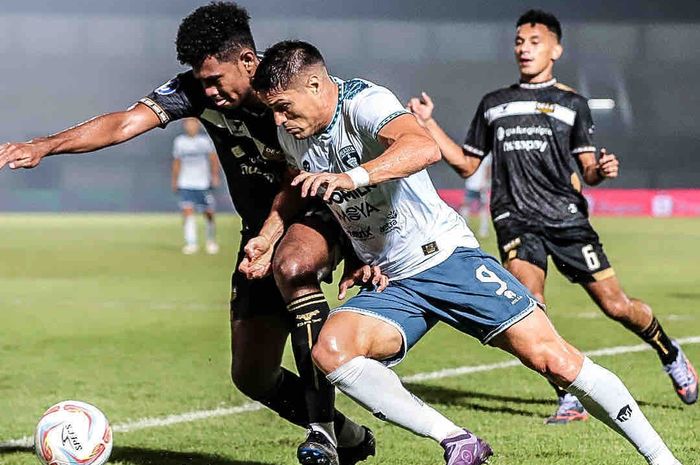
x=215 y=40
x=538 y=131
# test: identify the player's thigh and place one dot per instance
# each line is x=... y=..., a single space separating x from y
x=578 y=254
x=532 y=276
x=535 y=341
x=382 y=326
x=307 y=254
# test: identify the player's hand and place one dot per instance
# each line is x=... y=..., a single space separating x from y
x=257 y=262
x=311 y=183
x=422 y=108
x=366 y=274
x=608 y=165
x=21 y=155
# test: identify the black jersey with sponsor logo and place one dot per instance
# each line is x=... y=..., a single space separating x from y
x=535 y=132
x=245 y=141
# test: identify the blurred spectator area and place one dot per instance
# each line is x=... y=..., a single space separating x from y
x=65 y=64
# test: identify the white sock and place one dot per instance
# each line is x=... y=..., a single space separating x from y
x=484 y=223
x=327 y=430
x=380 y=391
x=190 y=230
x=607 y=399
x=211 y=230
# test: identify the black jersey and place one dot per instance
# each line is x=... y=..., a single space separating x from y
x=245 y=141
x=535 y=132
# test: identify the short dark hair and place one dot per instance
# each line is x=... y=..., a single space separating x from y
x=282 y=62
x=218 y=29
x=533 y=17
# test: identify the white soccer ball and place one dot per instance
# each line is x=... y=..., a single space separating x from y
x=73 y=432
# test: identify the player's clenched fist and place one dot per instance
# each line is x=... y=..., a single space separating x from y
x=20 y=155
x=258 y=258
x=608 y=165
x=421 y=107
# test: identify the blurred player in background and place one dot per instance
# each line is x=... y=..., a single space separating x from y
x=476 y=196
x=354 y=145
x=537 y=131
x=195 y=172
x=216 y=41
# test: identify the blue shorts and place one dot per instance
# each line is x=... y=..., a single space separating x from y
x=469 y=291
x=199 y=199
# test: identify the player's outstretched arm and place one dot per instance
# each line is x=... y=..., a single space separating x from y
x=94 y=134
x=459 y=159
x=257 y=262
x=594 y=170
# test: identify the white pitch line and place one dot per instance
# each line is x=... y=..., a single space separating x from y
x=144 y=423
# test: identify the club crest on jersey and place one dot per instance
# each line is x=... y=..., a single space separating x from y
x=543 y=107
x=349 y=156
x=169 y=87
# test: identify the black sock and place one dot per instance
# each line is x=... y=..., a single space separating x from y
x=308 y=313
x=289 y=402
x=655 y=336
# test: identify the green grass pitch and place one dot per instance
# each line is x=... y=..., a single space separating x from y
x=105 y=309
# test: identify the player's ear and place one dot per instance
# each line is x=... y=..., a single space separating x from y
x=557 y=52
x=248 y=60
x=313 y=83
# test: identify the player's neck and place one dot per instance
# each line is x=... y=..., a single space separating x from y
x=545 y=76
x=332 y=97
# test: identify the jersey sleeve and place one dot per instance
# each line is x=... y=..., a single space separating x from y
x=374 y=108
x=173 y=100
x=583 y=129
x=478 y=140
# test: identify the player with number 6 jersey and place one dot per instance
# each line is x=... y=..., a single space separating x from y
x=538 y=131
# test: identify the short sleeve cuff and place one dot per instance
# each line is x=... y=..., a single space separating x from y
x=157 y=109
x=587 y=148
x=474 y=150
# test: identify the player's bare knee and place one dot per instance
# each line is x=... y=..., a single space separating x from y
x=292 y=270
x=329 y=353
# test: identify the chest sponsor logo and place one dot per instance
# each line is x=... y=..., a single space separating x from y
x=525 y=145
x=252 y=170
x=349 y=156
x=362 y=234
x=392 y=223
x=504 y=132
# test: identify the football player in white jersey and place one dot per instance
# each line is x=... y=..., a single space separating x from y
x=195 y=171
x=360 y=151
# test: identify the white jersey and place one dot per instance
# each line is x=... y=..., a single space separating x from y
x=193 y=153
x=403 y=225
x=481 y=179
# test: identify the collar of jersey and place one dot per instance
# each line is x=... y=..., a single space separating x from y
x=338 y=106
x=539 y=85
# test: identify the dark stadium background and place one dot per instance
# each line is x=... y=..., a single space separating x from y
x=64 y=61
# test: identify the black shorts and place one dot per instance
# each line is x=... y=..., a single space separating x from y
x=260 y=297
x=576 y=250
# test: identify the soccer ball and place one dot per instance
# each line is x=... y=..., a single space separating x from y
x=73 y=432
